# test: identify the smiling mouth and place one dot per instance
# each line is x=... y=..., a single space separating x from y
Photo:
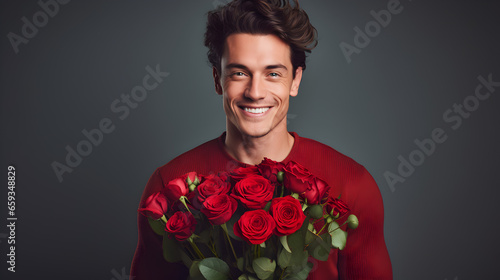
x=256 y=110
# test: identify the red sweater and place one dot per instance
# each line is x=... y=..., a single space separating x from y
x=365 y=255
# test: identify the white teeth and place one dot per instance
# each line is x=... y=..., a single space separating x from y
x=256 y=110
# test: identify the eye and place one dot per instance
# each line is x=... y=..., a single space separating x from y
x=274 y=74
x=238 y=74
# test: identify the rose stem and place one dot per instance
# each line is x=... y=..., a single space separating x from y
x=212 y=248
x=339 y=225
x=224 y=227
x=319 y=232
x=189 y=251
x=195 y=247
x=281 y=275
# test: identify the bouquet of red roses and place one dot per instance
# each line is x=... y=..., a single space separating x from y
x=256 y=222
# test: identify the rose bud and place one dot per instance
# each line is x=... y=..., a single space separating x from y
x=329 y=219
x=254 y=192
x=280 y=176
x=336 y=207
x=219 y=208
x=288 y=215
x=192 y=178
x=181 y=225
x=255 y=226
x=175 y=189
x=352 y=221
x=317 y=192
x=155 y=206
x=299 y=180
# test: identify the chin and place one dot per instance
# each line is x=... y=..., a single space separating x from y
x=255 y=133
x=258 y=135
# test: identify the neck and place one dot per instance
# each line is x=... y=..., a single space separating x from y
x=275 y=145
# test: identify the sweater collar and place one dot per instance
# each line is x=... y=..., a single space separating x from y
x=289 y=157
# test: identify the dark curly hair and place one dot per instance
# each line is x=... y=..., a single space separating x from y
x=278 y=17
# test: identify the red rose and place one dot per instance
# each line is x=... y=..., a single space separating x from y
x=269 y=169
x=336 y=206
x=254 y=192
x=288 y=215
x=212 y=185
x=219 y=208
x=155 y=206
x=243 y=172
x=299 y=180
x=317 y=191
x=255 y=226
x=175 y=189
x=181 y=225
x=224 y=176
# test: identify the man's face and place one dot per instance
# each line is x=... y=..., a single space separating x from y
x=256 y=82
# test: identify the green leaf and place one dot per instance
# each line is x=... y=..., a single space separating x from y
x=339 y=237
x=188 y=262
x=301 y=275
x=263 y=267
x=296 y=241
x=268 y=206
x=284 y=259
x=310 y=237
x=230 y=224
x=246 y=277
x=214 y=269
x=284 y=242
x=171 y=249
x=298 y=262
x=320 y=247
x=158 y=226
x=240 y=263
x=249 y=268
x=315 y=211
x=194 y=271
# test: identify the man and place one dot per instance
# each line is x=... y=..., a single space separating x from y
x=257 y=51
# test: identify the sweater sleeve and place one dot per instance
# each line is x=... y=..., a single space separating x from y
x=148 y=262
x=365 y=256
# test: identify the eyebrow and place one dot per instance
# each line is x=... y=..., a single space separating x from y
x=241 y=66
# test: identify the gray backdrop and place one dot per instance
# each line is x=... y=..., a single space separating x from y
x=441 y=218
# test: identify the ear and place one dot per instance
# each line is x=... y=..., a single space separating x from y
x=296 y=82
x=218 y=87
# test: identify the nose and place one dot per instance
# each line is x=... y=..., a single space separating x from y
x=256 y=89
